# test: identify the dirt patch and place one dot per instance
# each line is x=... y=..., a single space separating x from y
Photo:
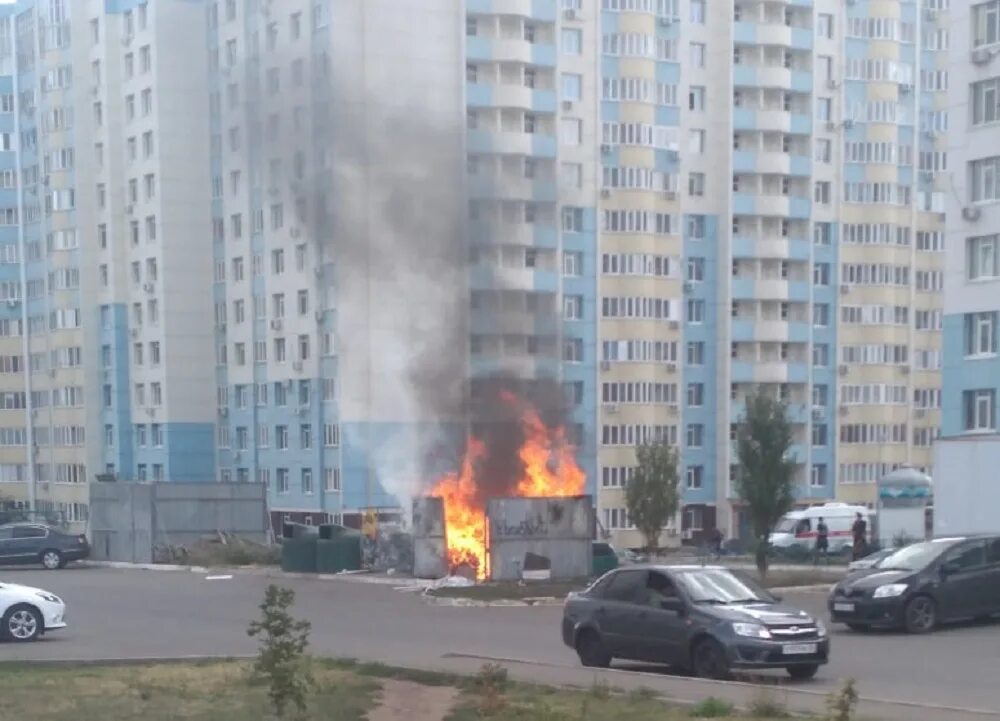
x=409 y=701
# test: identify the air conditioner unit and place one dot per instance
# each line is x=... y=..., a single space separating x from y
x=12 y=303
x=318 y=315
x=611 y=409
x=302 y=410
x=223 y=411
x=842 y=370
x=848 y=124
x=674 y=325
x=845 y=289
x=149 y=287
x=567 y=104
x=905 y=88
x=981 y=56
x=930 y=14
x=688 y=287
x=670 y=195
x=150 y=412
x=129 y=209
x=276 y=324
x=842 y=409
x=605 y=193
x=605 y=365
x=569 y=14
x=605 y=148
x=832 y=84
x=672 y=409
x=905 y=370
x=665 y=22
x=830 y=125
x=927 y=175
x=971 y=213
x=671 y=367
x=297 y=366
x=134 y=332
x=930 y=133
x=818 y=414
x=293 y=231
x=919 y=413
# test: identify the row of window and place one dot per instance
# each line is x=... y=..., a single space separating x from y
x=282 y=437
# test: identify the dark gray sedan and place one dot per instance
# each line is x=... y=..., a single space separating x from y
x=702 y=619
x=30 y=543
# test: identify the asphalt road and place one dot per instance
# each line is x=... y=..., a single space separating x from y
x=143 y=614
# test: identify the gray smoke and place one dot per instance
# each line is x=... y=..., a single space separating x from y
x=381 y=196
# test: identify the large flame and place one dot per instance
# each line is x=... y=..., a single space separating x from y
x=549 y=470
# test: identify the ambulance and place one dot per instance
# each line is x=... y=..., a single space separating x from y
x=798 y=528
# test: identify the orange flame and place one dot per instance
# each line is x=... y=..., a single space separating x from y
x=549 y=470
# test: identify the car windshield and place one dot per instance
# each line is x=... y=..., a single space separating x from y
x=915 y=556
x=718 y=585
x=786 y=525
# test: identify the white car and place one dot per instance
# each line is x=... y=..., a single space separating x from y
x=28 y=612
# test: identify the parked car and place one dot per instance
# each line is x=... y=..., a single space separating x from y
x=30 y=543
x=27 y=613
x=704 y=619
x=870 y=561
x=605 y=558
x=923 y=585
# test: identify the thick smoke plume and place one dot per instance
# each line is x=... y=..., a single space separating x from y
x=381 y=196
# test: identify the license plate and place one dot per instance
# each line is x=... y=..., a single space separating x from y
x=796 y=649
x=845 y=607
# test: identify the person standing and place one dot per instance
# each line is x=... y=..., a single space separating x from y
x=860 y=532
x=822 y=541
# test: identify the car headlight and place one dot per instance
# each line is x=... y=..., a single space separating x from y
x=820 y=629
x=751 y=630
x=49 y=597
x=890 y=590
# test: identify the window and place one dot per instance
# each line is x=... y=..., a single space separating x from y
x=986 y=23
x=696 y=183
x=979 y=408
x=695 y=435
x=572 y=41
x=817 y=475
x=824 y=25
x=695 y=395
x=697 y=55
x=572 y=86
x=695 y=311
x=698 y=11
x=694 y=477
x=981 y=257
x=824 y=109
x=696 y=95
x=986 y=101
x=980 y=333
x=570 y=131
x=331 y=435
x=985 y=178
x=696 y=141
x=819 y=435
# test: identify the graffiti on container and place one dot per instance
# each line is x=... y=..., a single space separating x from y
x=524 y=529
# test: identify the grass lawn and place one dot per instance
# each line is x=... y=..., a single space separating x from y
x=346 y=691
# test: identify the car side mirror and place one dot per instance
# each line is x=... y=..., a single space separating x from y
x=672 y=604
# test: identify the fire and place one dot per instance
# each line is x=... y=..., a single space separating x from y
x=549 y=469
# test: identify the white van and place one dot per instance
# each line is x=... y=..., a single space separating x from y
x=798 y=528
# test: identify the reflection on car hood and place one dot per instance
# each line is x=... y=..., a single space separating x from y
x=17 y=588
x=766 y=613
x=867 y=578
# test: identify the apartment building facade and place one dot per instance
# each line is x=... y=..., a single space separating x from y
x=971 y=378
x=102 y=332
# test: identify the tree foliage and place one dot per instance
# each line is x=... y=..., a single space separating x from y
x=765 y=480
x=282 y=661
x=652 y=496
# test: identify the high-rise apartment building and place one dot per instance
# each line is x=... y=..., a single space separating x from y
x=971 y=379
x=657 y=204
x=102 y=332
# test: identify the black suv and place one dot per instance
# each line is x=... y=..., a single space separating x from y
x=702 y=619
x=922 y=585
x=29 y=543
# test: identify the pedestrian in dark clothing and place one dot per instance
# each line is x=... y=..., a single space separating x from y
x=716 y=541
x=822 y=541
x=860 y=532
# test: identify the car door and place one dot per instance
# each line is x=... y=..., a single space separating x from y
x=661 y=622
x=27 y=543
x=963 y=591
x=993 y=574
x=617 y=611
x=6 y=545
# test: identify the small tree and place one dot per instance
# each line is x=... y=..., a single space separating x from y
x=765 y=481
x=282 y=661
x=651 y=495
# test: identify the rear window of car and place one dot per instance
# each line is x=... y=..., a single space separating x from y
x=625 y=586
x=30 y=532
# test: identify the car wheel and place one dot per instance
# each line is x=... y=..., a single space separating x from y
x=859 y=627
x=920 y=615
x=591 y=651
x=52 y=560
x=22 y=623
x=708 y=660
x=802 y=673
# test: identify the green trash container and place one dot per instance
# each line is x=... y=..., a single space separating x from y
x=339 y=550
x=298 y=555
